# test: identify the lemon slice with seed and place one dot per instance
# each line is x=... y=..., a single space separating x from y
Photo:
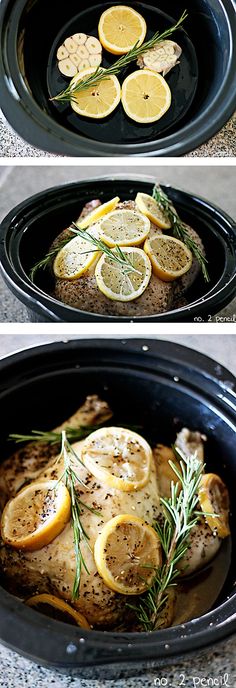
x=145 y=96
x=120 y=28
x=57 y=608
x=75 y=258
x=97 y=101
x=119 y=282
x=170 y=257
x=214 y=499
x=149 y=207
x=98 y=212
x=118 y=457
x=36 y=515
x=127 y=554
x=124 y=228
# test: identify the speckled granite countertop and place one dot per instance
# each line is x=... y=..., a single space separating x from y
x=222 y=145
x=215 y=666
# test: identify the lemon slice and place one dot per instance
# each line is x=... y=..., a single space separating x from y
x=97 y=101
x=119 y=283
x=36 y=515
x=124 y=228
x=214 y=499
x=98 y=212
x=149 y=207
x=127 y=553
x=120 y=28
x=75 y=258
x=145 y=96
x=57 y=608
x=170 y=257
x=118 y=457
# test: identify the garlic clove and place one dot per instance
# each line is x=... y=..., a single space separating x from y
x=80 y=38
x=67 y=67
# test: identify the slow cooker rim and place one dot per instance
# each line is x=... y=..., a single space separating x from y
x=31 y=111
x=169 y=646
x=20 y=283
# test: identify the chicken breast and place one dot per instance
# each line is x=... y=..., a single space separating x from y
x=158 y=297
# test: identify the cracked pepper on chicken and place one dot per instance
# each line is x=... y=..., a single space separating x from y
x=82 y=529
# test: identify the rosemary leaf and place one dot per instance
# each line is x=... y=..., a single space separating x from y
x=74 y=88
x=179 y=229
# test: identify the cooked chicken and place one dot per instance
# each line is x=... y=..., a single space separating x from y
x=52 y=568
x=203 y=546
x=27 y=463
x=158 y=297
x=190 y=443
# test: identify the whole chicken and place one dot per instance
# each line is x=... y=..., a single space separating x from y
x=52 y=568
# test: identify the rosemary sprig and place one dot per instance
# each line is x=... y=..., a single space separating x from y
x=45 y=262
x=116 y=255
x=179 y=230
x=180 y=517
x=73 y=434
x=121 y=63
x=71 y=479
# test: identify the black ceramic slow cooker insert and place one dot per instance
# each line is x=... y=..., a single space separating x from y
x=29 y=229
x=29 y=30
x=152 y=382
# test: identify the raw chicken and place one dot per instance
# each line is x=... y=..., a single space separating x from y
x=158 y=297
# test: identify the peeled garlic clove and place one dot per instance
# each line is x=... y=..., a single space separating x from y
x=80 y=38
x=93 y=45
x=62 y=53
x=162 y=58
x=71 y=45
x=67 y=67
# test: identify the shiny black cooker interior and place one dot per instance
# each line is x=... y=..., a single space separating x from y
x=29 y=30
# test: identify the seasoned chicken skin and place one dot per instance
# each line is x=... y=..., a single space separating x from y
x=27 y=463
x=52 y=568
x=158 y=297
